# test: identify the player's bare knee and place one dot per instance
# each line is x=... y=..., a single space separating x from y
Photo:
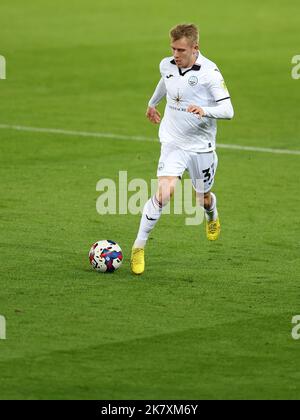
x=166 y=189
x=164 y=196
x=207 y=200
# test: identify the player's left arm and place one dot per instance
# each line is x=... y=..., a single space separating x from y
x=218 y=90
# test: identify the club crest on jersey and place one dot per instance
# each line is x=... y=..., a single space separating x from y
x=193 y=80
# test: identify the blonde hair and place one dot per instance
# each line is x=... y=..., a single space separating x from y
x=189 y=31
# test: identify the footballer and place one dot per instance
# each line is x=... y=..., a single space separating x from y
x=196 y=96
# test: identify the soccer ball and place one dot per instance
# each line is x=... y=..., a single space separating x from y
x=106 y=256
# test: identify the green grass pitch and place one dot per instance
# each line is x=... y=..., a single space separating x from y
x=206 y=320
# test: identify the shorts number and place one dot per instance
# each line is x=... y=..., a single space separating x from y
x=207 y=174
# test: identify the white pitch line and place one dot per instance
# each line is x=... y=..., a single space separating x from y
x=138 y=138
x=74 y=132
x=259 y=149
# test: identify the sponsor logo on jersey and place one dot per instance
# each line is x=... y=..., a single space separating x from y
x=178 y=98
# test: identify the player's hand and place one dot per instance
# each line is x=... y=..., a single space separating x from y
x=196 y=110
x=153 y=115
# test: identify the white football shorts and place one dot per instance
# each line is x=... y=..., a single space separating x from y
x=174 y=161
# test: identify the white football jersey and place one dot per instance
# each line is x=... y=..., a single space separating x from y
x=201 y=85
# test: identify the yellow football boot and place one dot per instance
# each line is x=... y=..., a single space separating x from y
x=137 y=261
x=213 y=229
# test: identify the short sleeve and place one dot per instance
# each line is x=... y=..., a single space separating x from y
x=217 y=86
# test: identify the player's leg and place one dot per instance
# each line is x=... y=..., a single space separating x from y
x=153 y=208
x=150 y=216
x=171 y=166
x=202 y=167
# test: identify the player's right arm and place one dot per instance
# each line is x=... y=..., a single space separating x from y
x=160 y=92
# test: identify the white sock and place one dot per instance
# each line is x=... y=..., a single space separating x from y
x=212 y=213
x=151 y=213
